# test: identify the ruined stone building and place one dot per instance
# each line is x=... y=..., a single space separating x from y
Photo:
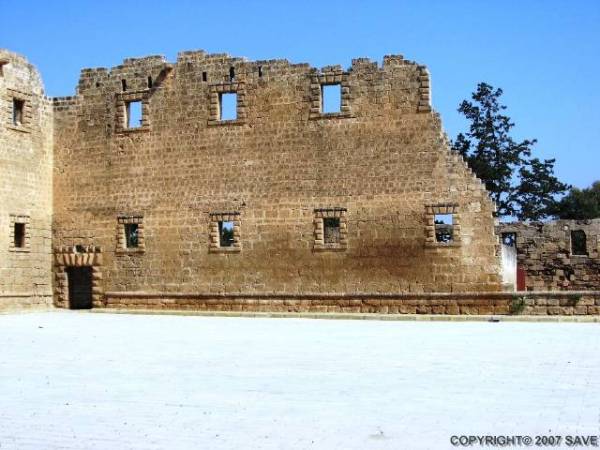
x=144 y=187
x=559 y=255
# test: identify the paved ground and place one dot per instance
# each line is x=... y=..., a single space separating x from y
x=87 y=381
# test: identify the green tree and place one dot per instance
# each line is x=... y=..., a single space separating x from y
x=535 y=196
x=580 y=203
x=496 y=158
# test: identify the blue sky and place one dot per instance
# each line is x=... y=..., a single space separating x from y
x=545 y=55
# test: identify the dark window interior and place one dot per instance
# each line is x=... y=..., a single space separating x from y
x=19 y=230
x=578 y=242
x=132 y=235
x=331 y=230
x=18 y=106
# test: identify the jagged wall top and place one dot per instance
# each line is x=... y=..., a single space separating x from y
x=194 y=60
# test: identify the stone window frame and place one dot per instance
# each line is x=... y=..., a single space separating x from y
x=25 y=125
x=319 y=228
x=442 y=208
x=70 y=256
x=26 y=220
x=316 y=94
x=121 y=239
x=123 y=98
x=214 y=244
x=215 y=91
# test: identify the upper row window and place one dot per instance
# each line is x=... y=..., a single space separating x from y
x=17 y=112
x=134 y=114
x=331 y=98
x=228 y=104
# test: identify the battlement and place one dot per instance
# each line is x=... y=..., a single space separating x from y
x=264 y=90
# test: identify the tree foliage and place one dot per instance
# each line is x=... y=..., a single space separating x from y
x=580 y=203
x=521 y=186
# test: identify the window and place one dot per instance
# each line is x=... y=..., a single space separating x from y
x=330 y=95
x=132 y=111
x=131 y=235
x=228 y=106
x=578 y=243
x=134 y=114
x=18 y=107
x=509 y=239
x=331 y=98
x=443 y=227
x=19 y=235
x=331 y=229
x=204 y=76
x=224 y=232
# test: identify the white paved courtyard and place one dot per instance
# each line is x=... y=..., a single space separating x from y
x=103 y=381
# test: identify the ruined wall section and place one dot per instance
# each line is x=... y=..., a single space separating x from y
x=383 y=159
x=550 y=258
x=26 y=142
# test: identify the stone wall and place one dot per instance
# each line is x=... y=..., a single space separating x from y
x=497 y=303
x=381 y=165
x=26 y=142
x=548 y=255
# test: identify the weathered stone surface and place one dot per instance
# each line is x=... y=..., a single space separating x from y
x=544 y=251
x=379 y=170
x=379 y=163
x=25 y=186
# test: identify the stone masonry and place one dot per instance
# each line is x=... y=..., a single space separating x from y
x=559 y=255
x=282 y=201
x=26 y=154
x=378 y=170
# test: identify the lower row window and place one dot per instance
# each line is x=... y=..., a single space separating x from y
x=330 y=229
x=443 y=225
x=130 y=234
